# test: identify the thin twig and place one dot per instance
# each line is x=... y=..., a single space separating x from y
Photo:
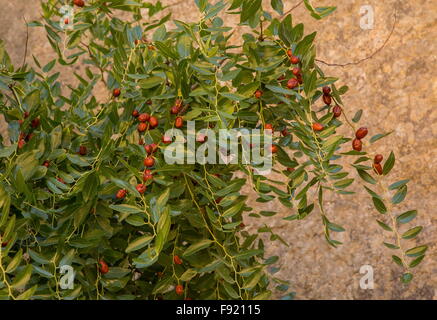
x=297 y=5
x=26 y=43
x=370 y=56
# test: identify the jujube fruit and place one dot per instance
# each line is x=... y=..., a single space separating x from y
x=378 y=158
x=144 y=117
x=357 y=145
x=258 y=94
x=82 y=150
x=317 y=126
x=378 y=168
x=79 y=3
x=292 y=83
x=179 y=122
x=149 y=162
x=179 y=290
x=116 y=92
x=177 y=260
x=326 y=90
x=103 y=267
x=121 y=194
x=361 y=133
x=336 y=111
x=142 y=127
x=294 y=60
x=141 y=188
x=153 y=121
x=327 y=100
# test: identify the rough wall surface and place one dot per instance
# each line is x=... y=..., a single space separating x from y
x=396 y=88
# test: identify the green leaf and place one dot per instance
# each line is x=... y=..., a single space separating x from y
x=90 y=187
x=412 y=233
x=125 y=208
x=26 y=295
x=397 y=260
x=406 y=216
x=399 y=195
x=365 y=176
x=407 y=277
x=398 y=184
x=416 y=251
x=416 y=261
x=15 y=262
x=357 y=116
x=388 y=165
x=139 y=243
x=163 y=229
x=203 y=244
x=230 y=291
x=384 y=226
x=379 y=136
x=22 y=278
x=188 y=275
x=390 y=246
x=278 y=6
x=379 y=205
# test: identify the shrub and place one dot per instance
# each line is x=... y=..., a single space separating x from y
x=84 y=182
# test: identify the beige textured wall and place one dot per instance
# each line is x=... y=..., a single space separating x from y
x=396 y=88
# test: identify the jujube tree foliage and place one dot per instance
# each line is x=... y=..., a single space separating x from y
x=84 y=182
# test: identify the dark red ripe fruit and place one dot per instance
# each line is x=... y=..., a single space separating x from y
x=357 y=145
x=147 y=175
x=274 y=148
x=141 y=188
x=290 y=169
x=378 y=168
x=179 y=289
x=326 y=90
x=166 y=139
x=135 y=113
x=103 y=267
x=153 y=122
x=149 y=102
x=284 y=132
x=116 y=92
x=4 y=244
x=142 y=127
x=26 y=114
x=21 y=143
x=294 y=60
x=82 y=150
x=296 y=71
x=121 y=194
x=292 y=83
x=378 y=158
x=317 y=126
x=258 y=94
x=35 y=123
x=179 y=122
x=61 y=180
x=141 y=142
x=148 y=148
x=281 y=78
x=327 y=99
x=268 y=126
x=79 y=3
x=289 y=53
x=178 y=103
x=336 y=111
x=154 y=147
x=299 y=79
x=144 y=117
x=175 y=110
x=177 y=260
x=149 y=162
x=66 y=21
x=46 y=163
x=361 y=133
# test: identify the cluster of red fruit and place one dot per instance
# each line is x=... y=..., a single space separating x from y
x=327 y=99
x=377 y=163
x=357 y=145
x=25 y=137
x=146 y=121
